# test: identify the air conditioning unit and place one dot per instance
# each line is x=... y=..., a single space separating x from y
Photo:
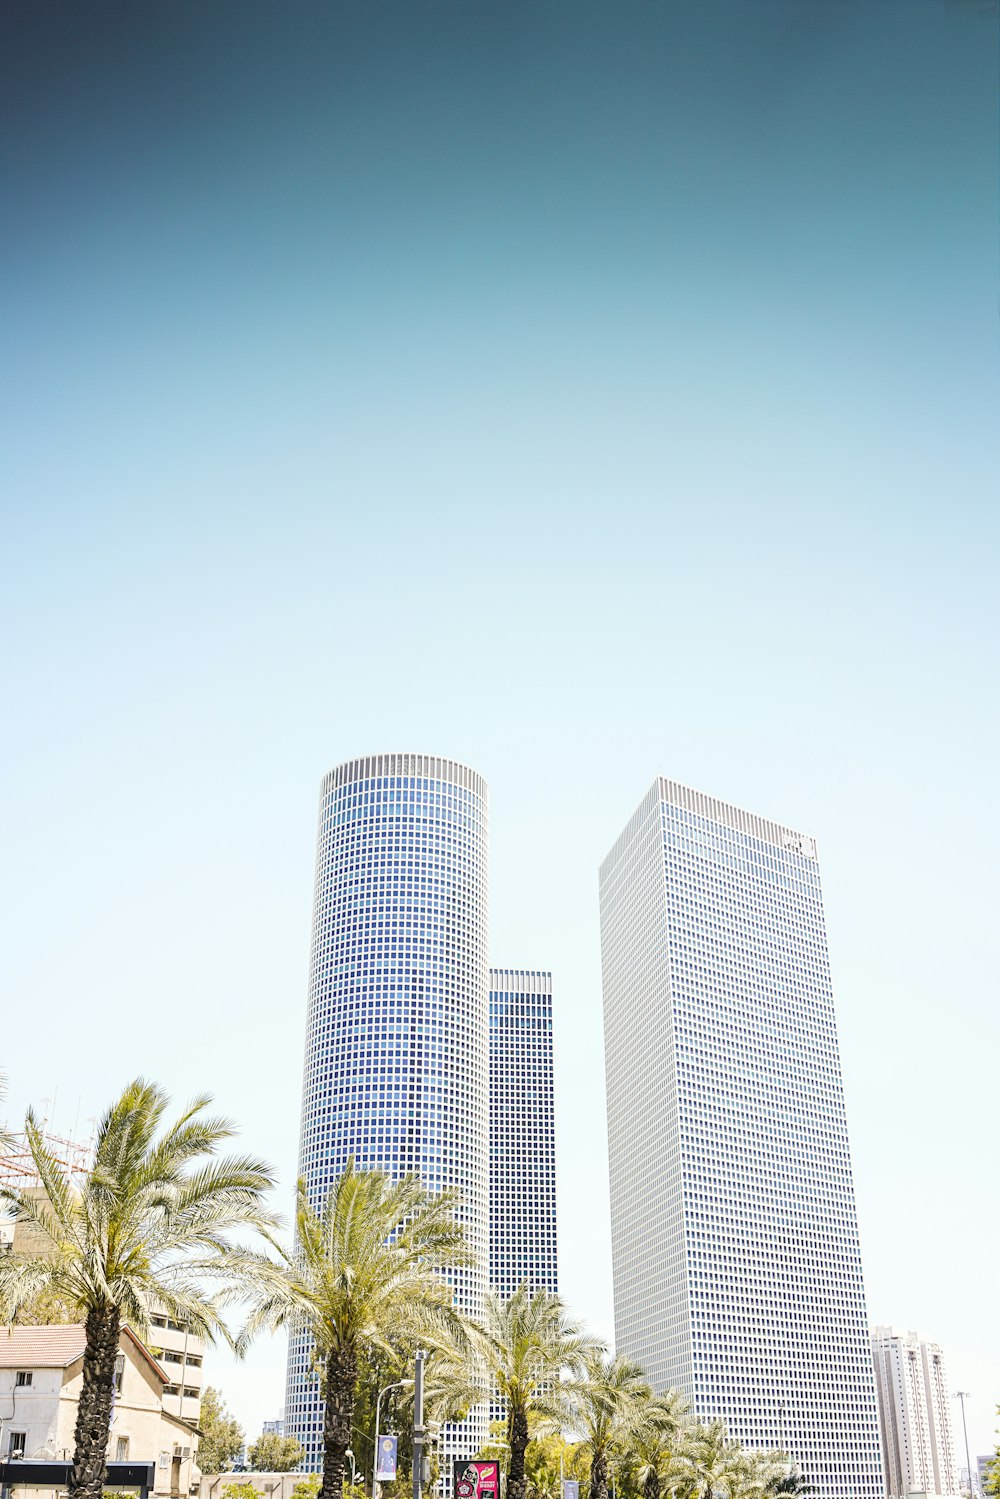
x=185 y=1453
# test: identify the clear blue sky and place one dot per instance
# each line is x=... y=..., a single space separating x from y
x=582 y=391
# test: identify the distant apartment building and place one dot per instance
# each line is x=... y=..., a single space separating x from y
x=914 y=1399
x=522 y=1192
x=274 y=1428
x=41 y=1375
x=737 y=1266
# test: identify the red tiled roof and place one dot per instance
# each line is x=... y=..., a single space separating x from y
x=41 y=1347
x=57 y=1347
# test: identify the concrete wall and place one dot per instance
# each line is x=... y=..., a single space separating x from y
x=268 y=1485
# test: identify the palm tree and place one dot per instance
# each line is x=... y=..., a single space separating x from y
x=608 y=1401
x=750 y=1475
x=659 y=1423
x=150 y=1223
x=705 y=1462
x=710 y=1465
x=529 y=1342
x=792 y=1483
x=365 y=1273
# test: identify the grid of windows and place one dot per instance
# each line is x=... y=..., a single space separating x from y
x=396 y=1036
x=735 y=1247
x=914 y=1399
x=522 y=1132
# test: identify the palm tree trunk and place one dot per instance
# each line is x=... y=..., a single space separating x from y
x=97 y=1396
x=599 y=1475
x=517 y=1439
x=651 y=1483
x=341 y=1389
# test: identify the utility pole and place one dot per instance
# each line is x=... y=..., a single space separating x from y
x=963 y=1396
x=418 y=1423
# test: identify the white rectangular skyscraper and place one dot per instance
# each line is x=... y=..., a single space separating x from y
x=737 y=1267
x=522 y=1132
x=914 y=1398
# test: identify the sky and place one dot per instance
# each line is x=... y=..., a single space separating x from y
x=581 y=391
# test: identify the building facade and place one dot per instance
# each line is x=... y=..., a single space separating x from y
x=396 y=1059
x=914 y=1401
x=41 y=1376
x=737 y=1268
x=522 y=1132
x=182 y=1355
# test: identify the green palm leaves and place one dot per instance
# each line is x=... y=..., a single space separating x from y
x=529 y=1343
x=163 y=1218
x=152 y=1222
x=365 y=1276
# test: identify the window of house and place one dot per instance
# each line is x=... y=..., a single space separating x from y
x=17 y=1440
x=119 y=1372
x=22 y=1378
x=121 y=1450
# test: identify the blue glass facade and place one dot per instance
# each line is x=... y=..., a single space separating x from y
x=396 y=1063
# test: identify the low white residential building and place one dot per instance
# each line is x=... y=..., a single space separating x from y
x=914 y=1399
x=41 y=1374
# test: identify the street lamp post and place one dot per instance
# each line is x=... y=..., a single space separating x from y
x=418 y=1423
x=963 y=1396
x=398 y=1385
x=354 y=1470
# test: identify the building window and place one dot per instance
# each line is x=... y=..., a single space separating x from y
x=121 y=1450
x=22 y=1378
x=17 y=1440
x=119 y=1372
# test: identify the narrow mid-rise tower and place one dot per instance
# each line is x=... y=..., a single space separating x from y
x=737 y=1268
x=522 y=1132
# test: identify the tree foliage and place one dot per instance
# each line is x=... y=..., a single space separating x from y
x=308 y=1487
x=530 y=1343
x=151 y=1222
x=271 y=1453
x=608 y=1399
x=364 y=1276
x=992 y=1475
x=222 y=1435
x=244 y=1490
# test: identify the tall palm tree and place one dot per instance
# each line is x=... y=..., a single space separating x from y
x=659 y=1423
x=608 y=1401
x=150 y=1223
x=365 y=1273
x=710 y=1464
x=529 y=1342
x=750 y=1475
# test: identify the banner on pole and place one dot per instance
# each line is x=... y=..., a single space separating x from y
x=571 y=1488
x=476 y=1480
x=385 y=1467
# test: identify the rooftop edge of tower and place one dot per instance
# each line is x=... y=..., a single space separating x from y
x=714 y=810
x=406 y=763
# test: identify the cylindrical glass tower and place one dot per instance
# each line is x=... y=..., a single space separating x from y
x=396 y=1060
